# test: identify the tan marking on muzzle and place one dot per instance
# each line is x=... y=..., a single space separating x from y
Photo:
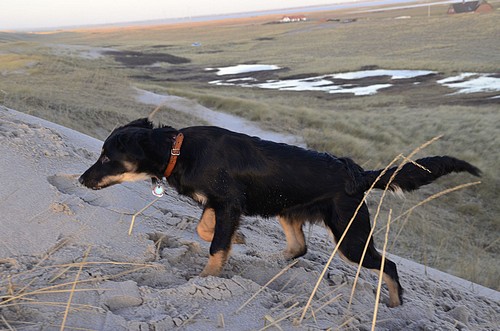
x=125 y=177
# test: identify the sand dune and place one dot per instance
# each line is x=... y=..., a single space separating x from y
x=57 y=236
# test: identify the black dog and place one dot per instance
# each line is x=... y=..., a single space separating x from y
x=232 y=174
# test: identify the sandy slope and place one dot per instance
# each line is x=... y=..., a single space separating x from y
x=49 y=225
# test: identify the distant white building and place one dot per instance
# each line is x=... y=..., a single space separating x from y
x=288 y=19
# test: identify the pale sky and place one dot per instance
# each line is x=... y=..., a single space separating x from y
x=28 y=14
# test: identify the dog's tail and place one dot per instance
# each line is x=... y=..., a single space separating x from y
x=412 y=175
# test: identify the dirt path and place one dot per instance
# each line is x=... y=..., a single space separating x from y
x=227 y=121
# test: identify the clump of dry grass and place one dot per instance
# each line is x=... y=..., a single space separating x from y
x=27 y=290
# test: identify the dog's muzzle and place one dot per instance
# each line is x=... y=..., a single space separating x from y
x=92 y=186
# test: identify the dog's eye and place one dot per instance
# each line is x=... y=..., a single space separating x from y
x=105 y=159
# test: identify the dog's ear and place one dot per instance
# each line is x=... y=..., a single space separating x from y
x=144 y=123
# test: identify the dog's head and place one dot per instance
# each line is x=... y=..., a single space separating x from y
x=128 y=154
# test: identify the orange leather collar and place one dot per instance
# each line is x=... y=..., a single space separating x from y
x=174 y=153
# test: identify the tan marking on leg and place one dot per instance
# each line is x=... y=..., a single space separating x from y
x=215 y=264
x=294 y=235
x=392 y=286
x=238 y=238
x=206 y=227
x=393 y=290
x=299 y=236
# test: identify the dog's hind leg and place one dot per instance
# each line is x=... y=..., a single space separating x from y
x=206 y=227
x=355 y=240
x=296 y=244
x=227 y=219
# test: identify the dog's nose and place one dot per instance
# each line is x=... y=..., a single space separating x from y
x=80 y=180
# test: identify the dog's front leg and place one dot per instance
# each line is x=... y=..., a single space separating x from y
x=206 y=227
x=227 y=219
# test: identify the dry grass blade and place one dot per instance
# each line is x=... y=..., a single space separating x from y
x=46 y=290
x=90 y=263
x=190 y=318
x=327 y=264
x=221 y=323
x=349 y=320
x=156 y=110
x=67 y=266
x=432 y=197
x=384 y=193
x=315 y=311
x=74 y=306
x=75 y=282
x=273 y=322
x=7 y=323
x=380 y=275
x=294 y=276
x=405 y=160
x=286 y=314
x=138 y=213
x=51 y=251
x=375 y=219
x=60 y=244
x=27 y=325
x=285 y=269
x=335 y=298
x=365 y=249
x=13 y=298
x=53 y=279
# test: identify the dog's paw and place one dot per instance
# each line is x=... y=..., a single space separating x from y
x=239 y=238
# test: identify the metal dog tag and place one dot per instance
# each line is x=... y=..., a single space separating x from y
x=158 y=189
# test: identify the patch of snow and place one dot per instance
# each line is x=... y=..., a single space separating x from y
x=467 y=82
x=458 y=78
x=363 y=90
x=322 y=85
x=242 y=79
x=318 y=83
x=472 y=83
x=244 y=68
x=312 y=84
x=395 y=74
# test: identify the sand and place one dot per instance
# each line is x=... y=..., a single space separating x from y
x=57 y=236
